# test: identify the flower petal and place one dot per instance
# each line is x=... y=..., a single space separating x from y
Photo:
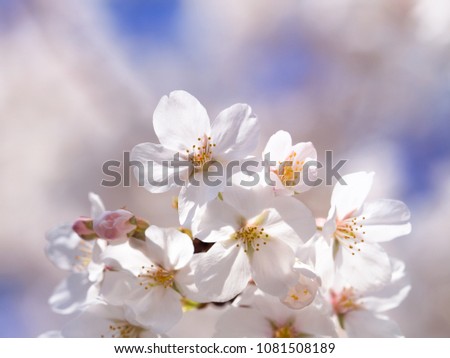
x=168 y=247
x=278 y=146
x=192 y=198
x=366 y=269
x=157 y=307
x=63 y=247
x=218 y=222
x=240 y=322
x=235 y=132
x=350 y=196
x=314 y=321
x=272 y=267
x=291 y=221
x=365 y=324
x=385 y=220
x=156 y=172
x=222 y=273
x=179 y=119
x=73 y=293
x=97 y=206
x=382 y=304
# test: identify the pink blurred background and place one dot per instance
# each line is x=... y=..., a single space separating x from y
x=79 y=81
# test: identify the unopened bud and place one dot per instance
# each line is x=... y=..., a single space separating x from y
x=114 y=225
x=83 y=227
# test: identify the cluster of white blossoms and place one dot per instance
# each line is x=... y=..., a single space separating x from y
x=247 y=260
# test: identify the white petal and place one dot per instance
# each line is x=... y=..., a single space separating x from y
x=168 y=247
x=179 y=119
x=365 y=324
x=157 y=173
x=379 y=304
x=248 y=202
x=157 y=307
x=125 y=257
x=222 y=273
x=292 y=214
x=350 y=196
x=94 y=322
x=385 y=220
x=117 y=286
x=63 y=247
x=218 y=222
x=192 y=198
x=366 y=269
x=185 y=280
x=73 y=293
x=243 y=322
x=278 y=146
x=315 y=322
x=97 y=206
x=235 y=132
x=272 y=267
x=305 y=153
x=204 y=320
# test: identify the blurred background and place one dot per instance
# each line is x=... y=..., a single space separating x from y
x=79 y=81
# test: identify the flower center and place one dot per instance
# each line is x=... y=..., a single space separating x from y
x=284 y=331
x=155 y=276
x=349 y=233
x=344 y=301
x=84 y=256
x=123 y=329
x=289 y=170
x=251 y=238
x=201 y=152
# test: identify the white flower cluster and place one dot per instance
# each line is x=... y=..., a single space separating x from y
x=248 y=261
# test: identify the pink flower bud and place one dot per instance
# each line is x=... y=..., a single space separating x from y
x=114 y=225
x=83 y=227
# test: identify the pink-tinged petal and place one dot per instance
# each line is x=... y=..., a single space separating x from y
x=278 y=146
x=385 y=220
x=239 y=322
x=73 y=294
x=365 y=324
x=192 y=198
x=156 y=172
x=114 y=225
x=235 y=132
x=168 y=247
x=158 y=307
x=222 y=273
x=272 y=267
x=366 y=269
x=179 y=119
x=349 y=197
x=314 y=321
x=97 y=206
x=218 y=222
